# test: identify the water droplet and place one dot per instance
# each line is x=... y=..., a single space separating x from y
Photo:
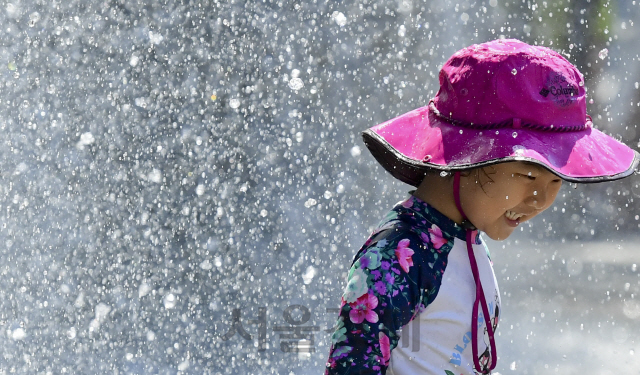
x=296 y=83
x=355 y=151
x=507 y=197
x=310 y=203
x=169 y=301
x=309 y=274
x=144 y=289
x=535 y=192
x=200 y=189
x=134 y=60
x=514 y=71
x=632 y=352
x=444 y=174
x=402 y=30
x=155 y=176
x=497 y=131
x=234 y=103
x=581 y=83
x=339 y=18
x=515 y=134
x=573 y=185
x=603 y=53
x=460 y=131
x=590 y=101
x=85 y=140
x=71 y=333
x=18 y=334
x=34 y=18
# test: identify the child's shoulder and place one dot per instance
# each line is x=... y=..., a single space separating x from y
x=411 y=216
x=405 y=232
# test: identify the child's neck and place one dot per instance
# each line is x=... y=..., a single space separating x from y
x=438 y=193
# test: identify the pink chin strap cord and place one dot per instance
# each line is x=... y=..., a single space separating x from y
x=480 y=299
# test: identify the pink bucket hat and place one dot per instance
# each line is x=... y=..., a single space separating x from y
x=502 y=101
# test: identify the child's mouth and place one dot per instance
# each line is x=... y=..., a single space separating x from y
x=513 y=218
x=512 y=215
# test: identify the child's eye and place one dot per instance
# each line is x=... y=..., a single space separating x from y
x=528 y=176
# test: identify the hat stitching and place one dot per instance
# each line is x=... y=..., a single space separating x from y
x=510 y=123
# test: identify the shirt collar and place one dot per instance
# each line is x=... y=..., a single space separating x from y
x=425 y=216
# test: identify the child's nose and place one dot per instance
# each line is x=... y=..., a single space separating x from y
x=537 y=199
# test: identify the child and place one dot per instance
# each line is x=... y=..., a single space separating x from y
x=489 y=152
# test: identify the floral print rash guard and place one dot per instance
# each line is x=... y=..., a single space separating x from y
x=406 y=308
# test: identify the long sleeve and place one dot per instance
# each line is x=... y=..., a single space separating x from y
x=391 y=280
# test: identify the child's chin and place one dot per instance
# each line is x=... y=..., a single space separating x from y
x=499 y=236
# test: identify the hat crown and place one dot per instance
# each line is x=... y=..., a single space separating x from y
x=507 y=80
x=495 y=85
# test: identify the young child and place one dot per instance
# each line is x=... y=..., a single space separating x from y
x=489 y=152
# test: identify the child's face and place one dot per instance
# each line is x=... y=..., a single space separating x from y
x=500 y=197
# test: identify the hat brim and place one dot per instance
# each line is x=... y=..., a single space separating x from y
x=417 y=142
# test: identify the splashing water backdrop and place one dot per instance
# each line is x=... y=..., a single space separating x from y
x=168 y=167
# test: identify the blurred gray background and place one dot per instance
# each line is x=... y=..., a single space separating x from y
x=165 y=163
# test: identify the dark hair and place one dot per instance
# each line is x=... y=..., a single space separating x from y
x=483 y=170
